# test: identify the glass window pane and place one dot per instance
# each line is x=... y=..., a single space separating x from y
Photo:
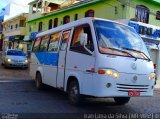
x=65 y=39
x=44 y=43
x=54 y=41
x=75 y=44
x=36 y=44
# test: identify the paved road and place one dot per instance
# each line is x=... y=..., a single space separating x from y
x=21 y=98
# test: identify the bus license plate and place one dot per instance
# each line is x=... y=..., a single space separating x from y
x=133 y=93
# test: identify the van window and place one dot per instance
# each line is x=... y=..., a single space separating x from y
x=54 y=42
x=44 y=43
x=75 y=44
x=65 y=39
x=36 y=45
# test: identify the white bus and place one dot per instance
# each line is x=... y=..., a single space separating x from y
x=93 y=57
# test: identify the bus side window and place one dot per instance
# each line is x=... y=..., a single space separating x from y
x=64 y=40
x=54 y=42
x=75 y=44
x=44 y=43
x=36 y=45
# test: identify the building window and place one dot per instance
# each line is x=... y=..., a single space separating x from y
x=75 y=17
x=22 y=23
x=55 y=22
x=142 y=13
x=11 y=27
x=50 y=24
x=89 y=13
x=16 y=26
x=34 y=9
x=158 y=15
x=30 y=29
x=40 y=26
x=39 y=8
x=66 y=19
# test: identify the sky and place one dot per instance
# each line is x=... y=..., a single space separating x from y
x=3 y=3
x=18 y=7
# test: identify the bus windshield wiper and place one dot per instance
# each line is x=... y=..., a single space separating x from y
x=123 y=51
x=138 y=52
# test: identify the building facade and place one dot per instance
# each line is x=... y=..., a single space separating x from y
x=44 y=15
x=1 y=35
x=14 y=30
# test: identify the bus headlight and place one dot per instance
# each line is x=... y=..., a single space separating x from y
x=113 y=73
x=152 y=76
x=9 y=60
x=109 y=72
x=116 y=75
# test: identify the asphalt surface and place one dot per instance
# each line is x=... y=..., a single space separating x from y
x=20 y=99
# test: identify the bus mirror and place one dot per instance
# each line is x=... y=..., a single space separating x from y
x=83 y=42
x=83 y=39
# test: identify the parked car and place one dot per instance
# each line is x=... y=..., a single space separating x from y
x=14 y=58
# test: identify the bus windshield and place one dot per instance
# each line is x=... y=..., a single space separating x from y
x=117 y=39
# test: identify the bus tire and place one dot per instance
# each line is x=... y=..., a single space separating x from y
x=121 y=100
x=74 y=93
x=38 y=81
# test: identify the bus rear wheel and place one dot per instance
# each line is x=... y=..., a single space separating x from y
x=74 y=93
x=38 y=81
x=121 y=100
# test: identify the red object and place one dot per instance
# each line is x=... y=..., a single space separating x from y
x=93 y=69
x=134 y=93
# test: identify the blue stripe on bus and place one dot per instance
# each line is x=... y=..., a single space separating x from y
x=47 y=58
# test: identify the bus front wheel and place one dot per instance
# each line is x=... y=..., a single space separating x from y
x=38 y=81
x=121 y=100
x=74 y=93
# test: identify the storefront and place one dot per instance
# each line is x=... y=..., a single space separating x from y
x=151 y=36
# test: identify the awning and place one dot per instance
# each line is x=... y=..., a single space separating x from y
x=151 y=40
x=56 y=1
x=26 y=38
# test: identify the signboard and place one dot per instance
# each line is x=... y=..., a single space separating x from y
x=146 y=30
x=33 y=35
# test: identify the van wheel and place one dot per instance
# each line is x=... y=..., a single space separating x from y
x=38 y=81
x=121 y=100
x=73 y=93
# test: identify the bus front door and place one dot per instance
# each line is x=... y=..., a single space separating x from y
x=62 y=59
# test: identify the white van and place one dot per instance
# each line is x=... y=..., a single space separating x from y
x=93 y=57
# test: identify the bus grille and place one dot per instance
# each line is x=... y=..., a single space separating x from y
x=127 y=87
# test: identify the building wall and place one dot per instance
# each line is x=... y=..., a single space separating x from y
x=15 y=27
x=108 y=9
x=153 y=7
x=1 y=39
